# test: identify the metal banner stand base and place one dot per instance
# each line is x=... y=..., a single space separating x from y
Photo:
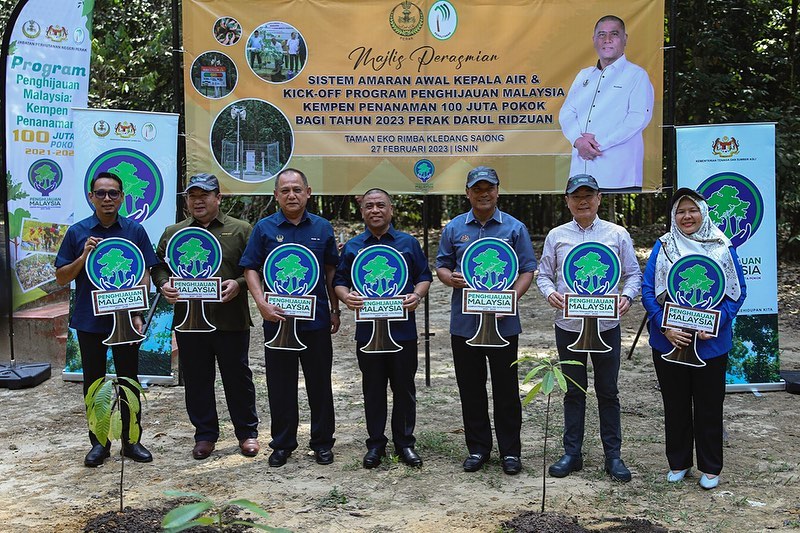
x=16 y=376
x=488 y=335
x=286 y=337
x=589 y=339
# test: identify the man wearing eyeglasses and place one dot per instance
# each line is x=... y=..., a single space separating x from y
x=106 y=197
x=606 y=109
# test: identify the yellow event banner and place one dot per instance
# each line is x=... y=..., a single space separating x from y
x=409 y=96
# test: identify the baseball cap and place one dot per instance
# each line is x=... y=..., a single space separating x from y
x=207 y=182
x=581 y=180
x=686 y=191
x=482 y=174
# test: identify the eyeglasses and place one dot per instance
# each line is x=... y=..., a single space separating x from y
x=113 y=194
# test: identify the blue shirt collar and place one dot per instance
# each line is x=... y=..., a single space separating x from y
x=281 y=218
x=391 y=233
x=96 y=221
x=497 y=216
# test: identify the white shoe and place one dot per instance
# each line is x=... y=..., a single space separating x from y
x=674 y=477
x=709 y=483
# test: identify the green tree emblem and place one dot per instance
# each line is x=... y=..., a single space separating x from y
x=192 y=257
x=424 y=169
x=490 y=269
x=696 y=283
x=379 y=274
x=727 y=210
x=590 y=270
x=290 y=273
x=133 y=187
x=115 y=267
x=45 y=178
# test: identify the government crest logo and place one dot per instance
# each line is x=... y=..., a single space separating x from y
x=125 y=130
x=423 y=170
x=406 y=19
x=735 y=205
x=101 y=128
x=45 y=176
x=31 y=29
x=142 y=182
x=56 y=33
x=725 y=147
x=442 y=20
x=591 y=268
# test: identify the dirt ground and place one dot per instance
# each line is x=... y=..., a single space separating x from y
x=45 y=487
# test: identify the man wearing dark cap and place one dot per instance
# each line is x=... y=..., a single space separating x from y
x=485 y=220
x=583 y=200
x=229 y=343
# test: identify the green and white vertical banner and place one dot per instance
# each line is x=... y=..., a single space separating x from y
x=46 y=75
x=142 y=149
x=733 y=167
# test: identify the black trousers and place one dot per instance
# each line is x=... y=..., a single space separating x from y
x=470 y=366
x=200 y=353
x=606 y=372
x=93 y=361
x=693 y=399
x=282 y=378
x=255 y=57
x=397 y=370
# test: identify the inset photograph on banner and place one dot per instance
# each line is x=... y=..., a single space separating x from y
x=35 y=270
x=252 y=140
x=276 y=52
x=227 y=31
x=214 y=75
x=42 y=236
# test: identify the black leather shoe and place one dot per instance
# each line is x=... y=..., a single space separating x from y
x=278 y=457
x=566 y=465
x=512 y=465
x=96 y=456
x=617 y=470
x=410 y=457
x=475 y=461
x=373 y=457
x=323 y=457
x=137 y=452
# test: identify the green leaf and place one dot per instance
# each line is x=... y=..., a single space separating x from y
x=130 y=398
x=133 y=384
x=548 y=383
x=183 y=514
x=102 y=408
x=115 y=429
x=570 y=362
x=134 y=431
x=532 y=394
x=90 y=394
x=562 y=383
x=532 y=374
x=251 y=506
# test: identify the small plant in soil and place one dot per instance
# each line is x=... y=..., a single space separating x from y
x=206 y=512
x=103 y=402
x=551 y=375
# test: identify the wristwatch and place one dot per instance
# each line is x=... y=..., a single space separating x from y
x=336 y=311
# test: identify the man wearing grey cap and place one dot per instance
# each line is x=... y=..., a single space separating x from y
x=229 y=343
x=583 y=200
x=485 y=220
